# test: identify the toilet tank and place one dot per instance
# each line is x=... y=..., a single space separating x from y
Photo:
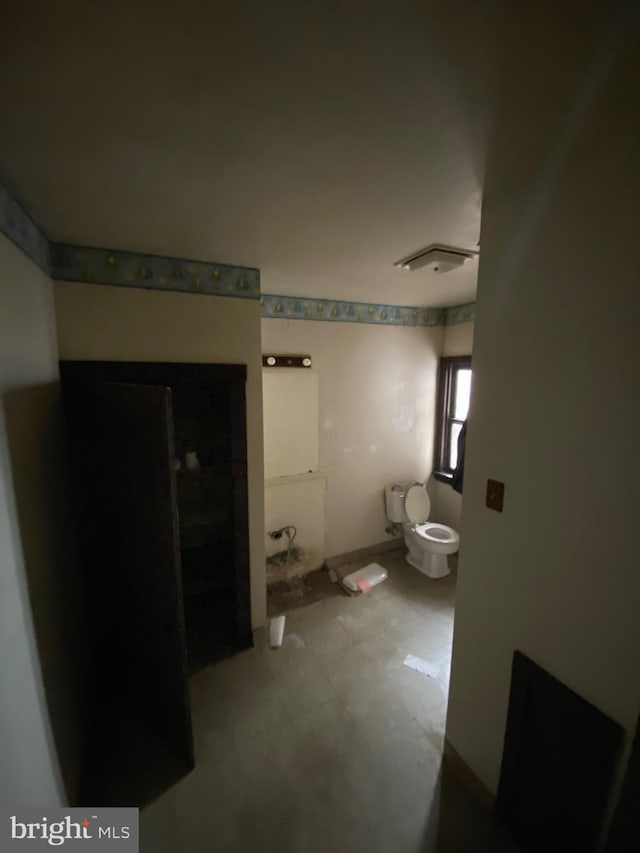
x=394 y=496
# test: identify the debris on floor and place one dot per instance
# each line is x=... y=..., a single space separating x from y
x=301 y=591
x=333 y=576
x=362 y=580
x=296 y=640
x=420 y=665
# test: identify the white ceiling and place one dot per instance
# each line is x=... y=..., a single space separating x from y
x=320 y=142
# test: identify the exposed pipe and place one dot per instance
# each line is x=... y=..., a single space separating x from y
x=290 y=531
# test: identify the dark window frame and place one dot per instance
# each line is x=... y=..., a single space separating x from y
x=447 y=378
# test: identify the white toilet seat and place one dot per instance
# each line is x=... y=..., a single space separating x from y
x=417 y=505
x=440 y=538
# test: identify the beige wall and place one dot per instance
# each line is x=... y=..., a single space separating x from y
x=447 y=504
x=100 y=322
x=29 y=773
x=556 y=379
x=457 y=340
x=377 y=401
x=290 y=418
x=294 y=491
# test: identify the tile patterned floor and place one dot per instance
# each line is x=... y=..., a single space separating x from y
x=328 y=743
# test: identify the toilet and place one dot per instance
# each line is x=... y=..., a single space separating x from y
x=408 y=504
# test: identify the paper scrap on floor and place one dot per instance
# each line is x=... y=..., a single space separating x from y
x=420 y=665
x=363 y=579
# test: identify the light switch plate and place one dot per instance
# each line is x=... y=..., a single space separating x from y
x=495 y=495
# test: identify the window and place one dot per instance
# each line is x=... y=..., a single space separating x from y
x=454 y=392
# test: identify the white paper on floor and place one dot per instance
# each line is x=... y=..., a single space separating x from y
x=420 y=665
x=276 y=631
x=295 y=640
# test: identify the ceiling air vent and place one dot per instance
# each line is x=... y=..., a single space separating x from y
x=436 y=258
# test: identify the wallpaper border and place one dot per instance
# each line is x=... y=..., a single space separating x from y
x=152 y=272
x=460 y=314
x=20 y=228
x=339 y=311
x=119 y=268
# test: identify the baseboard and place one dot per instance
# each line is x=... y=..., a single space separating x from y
x=466 y=775
x=362 y=553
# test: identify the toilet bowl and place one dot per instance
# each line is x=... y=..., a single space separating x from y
x=428 y=543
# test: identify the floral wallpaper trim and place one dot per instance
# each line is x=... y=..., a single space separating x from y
x=460 y=314
x=152 y=272
x=19 y=227
x=337 y=311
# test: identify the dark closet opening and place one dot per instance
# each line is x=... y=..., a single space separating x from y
x=159 y=458
x=206 y=521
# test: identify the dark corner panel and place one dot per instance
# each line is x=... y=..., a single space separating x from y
x=559 y=756
x=624 y=833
